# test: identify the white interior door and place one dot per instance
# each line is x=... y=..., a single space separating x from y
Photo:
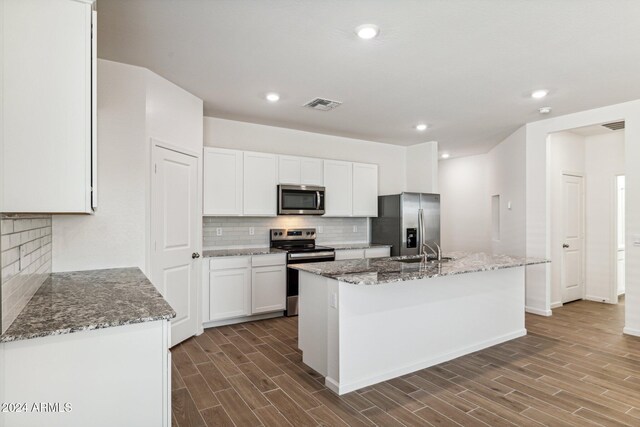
x=620 y=233
x=175 y=219
x=573 y=238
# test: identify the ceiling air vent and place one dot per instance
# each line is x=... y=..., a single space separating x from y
x=321 y=104
x=614 y=125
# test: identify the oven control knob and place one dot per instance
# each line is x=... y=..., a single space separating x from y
x=308 y=233
x=279 y=233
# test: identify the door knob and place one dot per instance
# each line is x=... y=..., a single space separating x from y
x=195 y=255
x=565 y=246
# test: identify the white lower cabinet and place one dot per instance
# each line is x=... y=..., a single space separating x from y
x=229 y=293
x=267 y=291
x=242 y=286
x=374 y=252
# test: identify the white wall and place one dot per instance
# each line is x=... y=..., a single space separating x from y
x=604 y=159
x=538 y=211
x=506 y=177
x=249 y=136
x=422 y=168
x=567 y=154
x=115 y=235
x=465 y=204
x=134 y=105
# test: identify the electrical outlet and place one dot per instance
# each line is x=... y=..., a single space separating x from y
x=320 y=229
x=252 y=231
x=355 y=228
x=219 y=231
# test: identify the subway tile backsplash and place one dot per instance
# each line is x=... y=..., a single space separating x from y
x=25 y=258
x=235 y=230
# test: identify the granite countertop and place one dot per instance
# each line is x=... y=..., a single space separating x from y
x=86 y=300
x=339 y=246
x=240 y=252
x=376 y=271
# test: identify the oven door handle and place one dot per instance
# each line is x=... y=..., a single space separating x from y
x=311 y=255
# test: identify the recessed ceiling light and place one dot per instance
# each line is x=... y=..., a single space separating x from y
x=421 y=127
x=445 y=155
x=539 y=94
x=272 y=97
x=544 y=110
x=367 y=31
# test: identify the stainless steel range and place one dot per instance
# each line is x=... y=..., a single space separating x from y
x=300 y=244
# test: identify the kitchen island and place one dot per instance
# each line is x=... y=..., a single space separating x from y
x=91 y=348
x=366 y=321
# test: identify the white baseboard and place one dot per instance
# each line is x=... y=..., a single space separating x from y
x=631 y=331
x=243 y=319
x=538 y=311
x=556 y=304
x=341 y=389
x=597 y=299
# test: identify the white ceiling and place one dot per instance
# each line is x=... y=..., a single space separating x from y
x=593 y=130
x=466 y=67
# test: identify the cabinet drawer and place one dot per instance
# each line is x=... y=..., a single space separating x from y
x=267 y=260
x=349 y=254
x=377 y=252
x=223 y=263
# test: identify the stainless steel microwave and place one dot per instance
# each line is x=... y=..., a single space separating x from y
x=300 y=200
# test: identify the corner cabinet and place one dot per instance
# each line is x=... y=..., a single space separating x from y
x=48 y=106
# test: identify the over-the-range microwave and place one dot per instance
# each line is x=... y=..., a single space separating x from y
x=300 y=200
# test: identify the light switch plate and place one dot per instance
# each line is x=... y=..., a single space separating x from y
x=320 y=229
x=334 y=300
x=355 y=228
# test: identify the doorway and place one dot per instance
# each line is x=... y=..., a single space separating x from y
x=175 y=220
x=620 y=234
x=587 y=194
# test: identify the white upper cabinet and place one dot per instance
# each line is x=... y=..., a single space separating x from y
x=365 y=190
x=300 y=171
x=260 y=182
x=222 y=182
x=288 y=170
x=46 y=95
x=311 y=171
x=338 y=182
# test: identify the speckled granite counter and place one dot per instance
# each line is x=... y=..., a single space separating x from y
x=343 y=246
x=85 y=300
x=387 y=270
x=240 y=252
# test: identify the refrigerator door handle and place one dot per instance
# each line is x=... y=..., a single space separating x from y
x=420 y=230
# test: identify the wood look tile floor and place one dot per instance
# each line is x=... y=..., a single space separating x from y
x=572 y=369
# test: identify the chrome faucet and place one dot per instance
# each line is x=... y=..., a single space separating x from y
x=437 y=253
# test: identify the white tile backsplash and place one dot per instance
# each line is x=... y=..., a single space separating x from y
x=25 y=257
x=235 y=230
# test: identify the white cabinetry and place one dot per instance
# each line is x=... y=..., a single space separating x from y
x=229 y=288
x=374 y=252
x=365 y=190
x=46 y=92
x=300 y=171
x=260 y=181
x=268 y=284
x=338 y=182
x=222 y=182
x=238 y=287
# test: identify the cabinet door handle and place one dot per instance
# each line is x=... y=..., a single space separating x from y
x=195 y=255
x=565 y=246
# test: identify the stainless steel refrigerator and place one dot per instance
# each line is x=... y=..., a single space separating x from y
x=405 y=221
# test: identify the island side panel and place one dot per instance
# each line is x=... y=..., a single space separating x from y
x=392 y=329
x=112 y=377
x=313 y=320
